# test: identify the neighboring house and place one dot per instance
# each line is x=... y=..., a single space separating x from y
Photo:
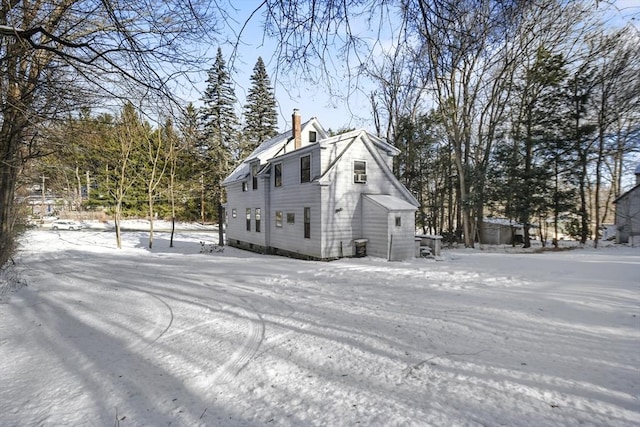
x=306 y=194
x=628 y=214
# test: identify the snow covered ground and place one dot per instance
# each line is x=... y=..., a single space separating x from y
x=171 y=336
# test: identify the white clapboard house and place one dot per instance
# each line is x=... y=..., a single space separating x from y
x=306 y=194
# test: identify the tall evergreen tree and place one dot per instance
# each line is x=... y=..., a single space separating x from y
x=261 y=117
x=190 y=164
x=529 y=189
x=417 y=141
x=219 y=124
x=578 y=131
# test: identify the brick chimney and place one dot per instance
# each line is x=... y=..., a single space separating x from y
x=296 y=129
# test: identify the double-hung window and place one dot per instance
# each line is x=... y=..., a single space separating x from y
x=305 y=168
x=277 y=175
x=307 y=223
x=248 y=219
x=254 y=175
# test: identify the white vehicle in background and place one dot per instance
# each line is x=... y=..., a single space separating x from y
x=66 y=224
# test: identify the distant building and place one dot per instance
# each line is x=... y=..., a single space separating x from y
x=307 y=194
x=628 y=214
x=499 y=231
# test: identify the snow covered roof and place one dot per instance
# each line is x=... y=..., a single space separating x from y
x=275 y=147
x=391 y=203
x=500 y=221
x=265 y=151
x=379 y=142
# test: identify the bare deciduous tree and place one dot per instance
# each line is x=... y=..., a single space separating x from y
x=57 y=55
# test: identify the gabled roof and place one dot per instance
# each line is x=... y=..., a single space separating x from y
x=270 y=149
x=275 y=148
x=627 y=193
x=371 y=142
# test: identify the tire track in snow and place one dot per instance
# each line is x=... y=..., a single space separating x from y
x=243 y=355
x=171 y=318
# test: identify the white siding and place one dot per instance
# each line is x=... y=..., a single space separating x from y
x=338 y=214
x=376 y=229
x=240 y=201
x=628 y=216
x=385 y=238
x=341 y=200
x=402 y=238
x=293 y=197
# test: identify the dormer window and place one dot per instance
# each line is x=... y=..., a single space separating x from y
x=254 y=175
x=360 y=172
x=312 y=136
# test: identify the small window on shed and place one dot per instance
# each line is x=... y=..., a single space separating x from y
x=398 y=221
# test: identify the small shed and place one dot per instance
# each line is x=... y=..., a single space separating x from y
x=500 y=231
x=388 y=222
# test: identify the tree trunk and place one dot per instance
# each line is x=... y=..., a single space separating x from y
x=220 y=224
x=150 y=219
x=8 y=174
x=116 y=220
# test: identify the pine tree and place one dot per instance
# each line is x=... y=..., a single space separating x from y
x=529 y=160
x=261 y=117
x=219 y=134
x=549 y=160
x=190 y=164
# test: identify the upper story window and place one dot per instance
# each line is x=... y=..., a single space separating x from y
x=245 y=186
x=305 y=168
x=359 y=171
x=313 y=136
x=277 y=174
x=254 y=175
